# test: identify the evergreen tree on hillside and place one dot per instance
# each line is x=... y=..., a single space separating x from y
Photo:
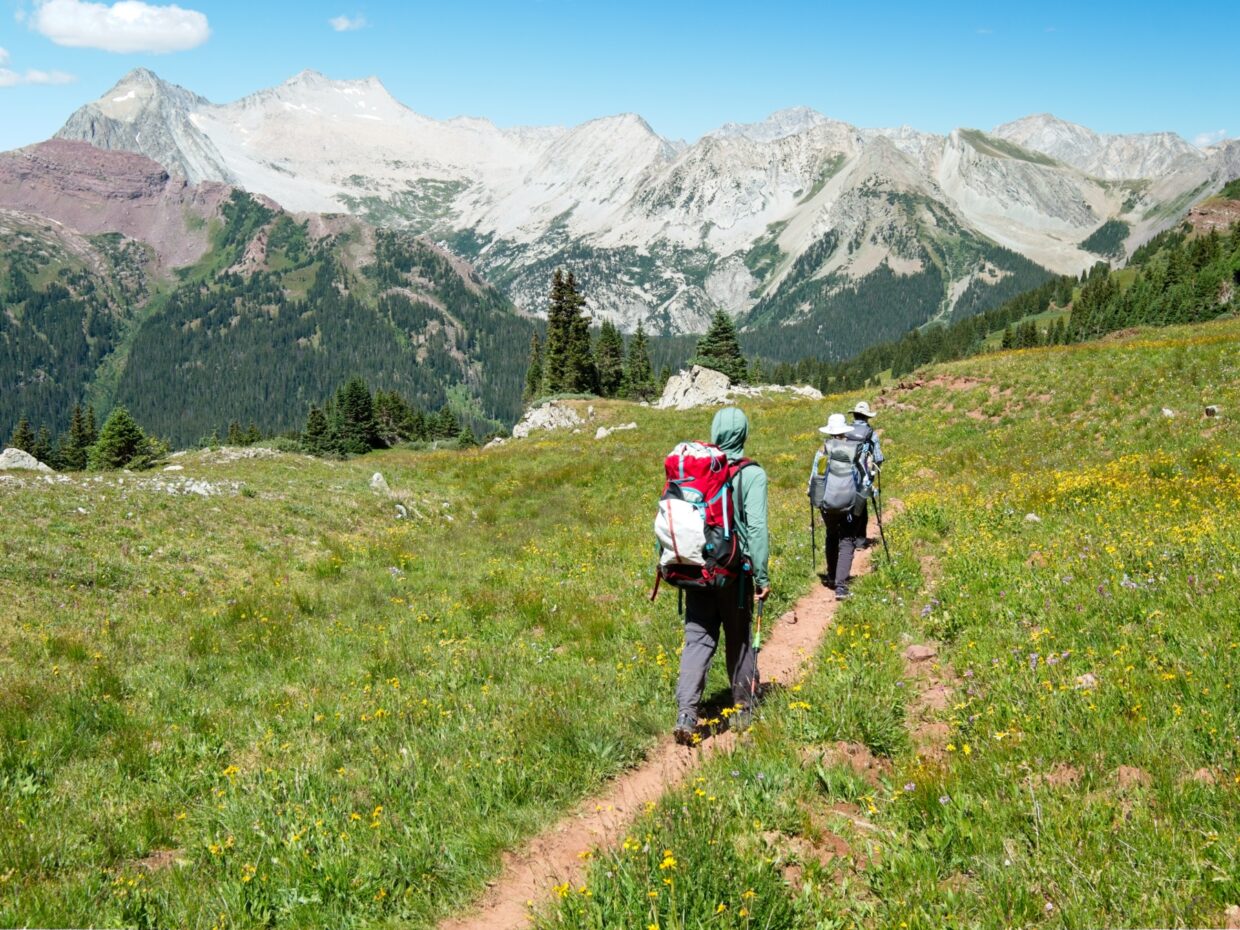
x=74 y=446
x=23 y=436
x=638 y=374
x=609 y=360
x=581 y=377
x=91 y=426
x=559 y=326
x=568 y=362
x=121 y=441
x=42 y=448
x=466 y=438
x=534 y=372
x=316 y=437
x=234 y=434
x=357 y=432
x=720 y=349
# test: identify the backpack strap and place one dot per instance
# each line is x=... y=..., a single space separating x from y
x=735 y=475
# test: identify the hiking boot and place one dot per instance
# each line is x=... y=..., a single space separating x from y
x=842 y=593
x=686 y=729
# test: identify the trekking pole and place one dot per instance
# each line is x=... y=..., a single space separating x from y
x=878 y=515
x=813 y=536
x=758 y=645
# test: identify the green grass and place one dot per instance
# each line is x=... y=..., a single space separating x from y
x=1101 y=636
x=309 y=713
x=329 y=716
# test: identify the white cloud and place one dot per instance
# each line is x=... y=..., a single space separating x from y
x=1204 y=139
x=125 y=26
x=347 y=24
x=985 y=31
x=4 y=57
x=10 y=78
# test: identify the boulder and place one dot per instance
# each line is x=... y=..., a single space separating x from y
x=1168 y=413
x=1212 y=410
x=379 y=484
x=603 y=432
x=697 y=387
x=548 y=416
x=17 y=460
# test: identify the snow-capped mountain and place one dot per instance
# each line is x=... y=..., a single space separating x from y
x=665 y=233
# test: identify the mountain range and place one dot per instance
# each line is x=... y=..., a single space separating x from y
x=799 y=226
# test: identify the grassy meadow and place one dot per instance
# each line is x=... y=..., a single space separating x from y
x=280 y=705
x=1071 y=756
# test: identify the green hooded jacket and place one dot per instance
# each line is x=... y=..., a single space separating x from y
x=729 y=431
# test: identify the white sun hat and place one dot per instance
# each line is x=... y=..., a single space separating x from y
x=836 y=426
x=862 y=409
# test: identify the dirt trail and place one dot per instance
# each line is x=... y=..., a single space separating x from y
x=554 y=856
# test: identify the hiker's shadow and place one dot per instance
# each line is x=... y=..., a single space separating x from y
x=719 y=707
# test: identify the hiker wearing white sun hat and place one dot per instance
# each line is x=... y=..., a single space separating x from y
x=836 y=490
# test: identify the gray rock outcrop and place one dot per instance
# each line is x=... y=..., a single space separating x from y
x=17 y=460
x=548 y=416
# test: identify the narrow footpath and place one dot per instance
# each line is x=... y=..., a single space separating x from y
x=554 y=856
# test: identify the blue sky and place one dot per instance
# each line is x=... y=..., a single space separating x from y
x=687 y=66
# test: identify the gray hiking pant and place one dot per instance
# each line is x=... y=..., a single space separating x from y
x=707 y=613
x=845 y=535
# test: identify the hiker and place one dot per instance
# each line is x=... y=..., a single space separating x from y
x=728 y=608
x=837 y=489
x=871 y=453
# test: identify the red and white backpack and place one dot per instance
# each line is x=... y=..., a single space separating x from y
x=697 y=541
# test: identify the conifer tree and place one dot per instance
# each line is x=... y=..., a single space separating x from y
x=720 y=349
x=559 y=325
x=251 y=434
x=609 y=360
x=466 y=438
x=355 y=409
x=121 y=441
x=533 y=373
x=42 y=448
x=638 y=375
x=580 y=375
x=73 y=448
x=234 y=434
x=23 y=436
x=91 y=426
x=315 y=437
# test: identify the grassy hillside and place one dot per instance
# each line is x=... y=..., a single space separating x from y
x=280 y=705
x=268 y=321
x=1071 y=757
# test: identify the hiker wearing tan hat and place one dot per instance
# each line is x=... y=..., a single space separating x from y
x=837 y=490
x=871 y=451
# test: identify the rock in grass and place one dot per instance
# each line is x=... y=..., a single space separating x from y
x=1032 y=518
x=1168 y=413
x=1212 y=410
x=551 y=415
x=603 y=432
x=17 y=460
x=378 y=484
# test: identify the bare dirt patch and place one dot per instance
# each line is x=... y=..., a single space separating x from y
x=1062 y=776
x=1129 y=776
x=160 y=859
x=853 y=756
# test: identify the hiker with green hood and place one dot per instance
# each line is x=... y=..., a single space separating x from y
x=728 y=609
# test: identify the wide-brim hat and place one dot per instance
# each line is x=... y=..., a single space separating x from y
x=862 y=409
x=836 y=425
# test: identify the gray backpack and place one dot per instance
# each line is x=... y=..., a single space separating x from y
x=841 y=489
